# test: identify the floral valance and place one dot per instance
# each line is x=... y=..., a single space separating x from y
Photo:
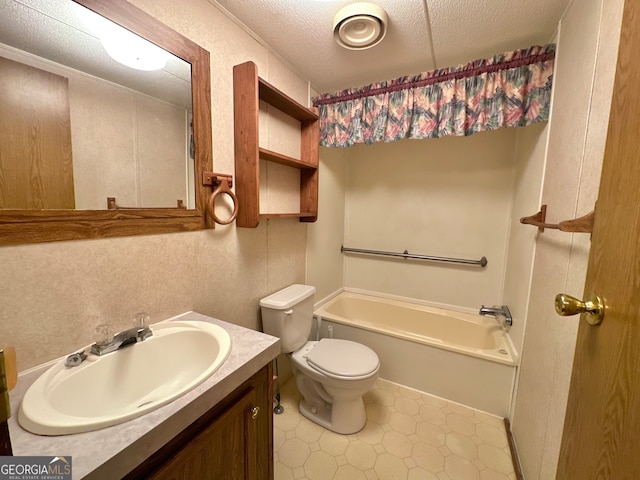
x=512 y=89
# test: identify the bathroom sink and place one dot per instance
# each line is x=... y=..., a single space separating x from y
x=110 y=389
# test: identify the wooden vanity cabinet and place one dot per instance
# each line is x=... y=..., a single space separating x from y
x=232 y=441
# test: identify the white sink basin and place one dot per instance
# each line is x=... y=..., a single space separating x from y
x=127 y=383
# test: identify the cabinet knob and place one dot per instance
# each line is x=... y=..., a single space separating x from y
x=255 y=411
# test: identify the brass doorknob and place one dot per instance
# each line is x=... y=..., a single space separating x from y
x=594 y=307
x=255 y=411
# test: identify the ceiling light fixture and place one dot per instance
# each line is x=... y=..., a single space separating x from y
x=124 y=46
x=133 y=51
x=360 y=25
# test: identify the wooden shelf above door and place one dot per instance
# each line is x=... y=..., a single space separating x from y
x=248 y=90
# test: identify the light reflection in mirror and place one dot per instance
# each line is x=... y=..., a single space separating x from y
x=124 y=46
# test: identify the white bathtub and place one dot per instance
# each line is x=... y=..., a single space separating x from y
x=459 y=356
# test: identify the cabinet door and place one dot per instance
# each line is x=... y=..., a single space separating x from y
x=225 y=450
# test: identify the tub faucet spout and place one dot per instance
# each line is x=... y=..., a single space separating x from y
x=502 y=314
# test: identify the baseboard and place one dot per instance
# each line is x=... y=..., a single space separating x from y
x=514 y=451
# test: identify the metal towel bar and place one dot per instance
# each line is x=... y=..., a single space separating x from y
x=482 y=262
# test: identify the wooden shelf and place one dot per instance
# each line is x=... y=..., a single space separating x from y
x=287 y=215
x=284 y=103
x=248 y=90
x=283 y=159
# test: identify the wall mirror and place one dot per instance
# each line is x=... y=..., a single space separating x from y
x=92 y=144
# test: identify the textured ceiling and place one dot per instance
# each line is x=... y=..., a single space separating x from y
x=54 y=30
x=422 y=35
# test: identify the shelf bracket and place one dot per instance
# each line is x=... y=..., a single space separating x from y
x=222 y=183
x=214 y=179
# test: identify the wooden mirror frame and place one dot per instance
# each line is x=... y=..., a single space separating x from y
x=37 y=226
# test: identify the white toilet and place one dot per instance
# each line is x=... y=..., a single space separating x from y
x=332 y=375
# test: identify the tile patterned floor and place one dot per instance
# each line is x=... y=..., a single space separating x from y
x=409 y=435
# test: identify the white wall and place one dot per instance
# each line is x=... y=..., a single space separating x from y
x=587 y=50
x=126 y=145
x=283 y=192
x=447 y=197
x=53 y=295
x=325 y=263
x=530 y=156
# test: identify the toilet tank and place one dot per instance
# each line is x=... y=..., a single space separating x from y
x=288 y=314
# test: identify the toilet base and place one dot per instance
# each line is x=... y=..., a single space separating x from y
x=345 y=417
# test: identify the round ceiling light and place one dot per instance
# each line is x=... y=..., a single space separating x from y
x=360 y=25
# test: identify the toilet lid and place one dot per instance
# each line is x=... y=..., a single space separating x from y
x=342 y=358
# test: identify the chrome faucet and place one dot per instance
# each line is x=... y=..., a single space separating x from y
x=121 y=340
x=106 y=343
x=499 y=313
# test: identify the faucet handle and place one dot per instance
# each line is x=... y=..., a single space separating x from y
x=104 y=334
x=141 y=320
x=75 y=359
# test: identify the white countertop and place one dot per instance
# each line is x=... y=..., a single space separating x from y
x=113 y=452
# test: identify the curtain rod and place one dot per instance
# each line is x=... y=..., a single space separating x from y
x=482 y=262
x=471 y=69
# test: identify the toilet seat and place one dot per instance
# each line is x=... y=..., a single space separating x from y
x=342 y=359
